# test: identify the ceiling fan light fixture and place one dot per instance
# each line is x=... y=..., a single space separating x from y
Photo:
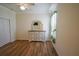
x=22 y=7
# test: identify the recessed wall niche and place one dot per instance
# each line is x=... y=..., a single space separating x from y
x=36 y=25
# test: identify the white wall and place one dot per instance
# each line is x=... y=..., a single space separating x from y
x=8 y=14
x=67 y=42
x=24 y=21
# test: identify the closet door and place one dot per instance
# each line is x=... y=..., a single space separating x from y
x=4 y=31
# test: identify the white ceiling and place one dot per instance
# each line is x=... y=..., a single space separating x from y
x=37 y=8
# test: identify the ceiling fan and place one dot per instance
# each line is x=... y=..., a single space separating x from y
x=24 y=6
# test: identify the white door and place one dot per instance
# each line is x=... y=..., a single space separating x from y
x=4 y=31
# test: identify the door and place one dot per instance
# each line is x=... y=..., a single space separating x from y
x=4 y=31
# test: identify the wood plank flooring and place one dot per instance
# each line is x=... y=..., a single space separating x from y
x=26 y=48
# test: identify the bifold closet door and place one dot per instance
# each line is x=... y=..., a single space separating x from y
x=4 y=31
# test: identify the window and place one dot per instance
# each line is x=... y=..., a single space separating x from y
x=53 y=26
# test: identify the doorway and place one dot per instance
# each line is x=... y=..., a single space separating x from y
x=53 y=26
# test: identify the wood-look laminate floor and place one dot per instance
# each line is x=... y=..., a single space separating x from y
x=26 y=48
